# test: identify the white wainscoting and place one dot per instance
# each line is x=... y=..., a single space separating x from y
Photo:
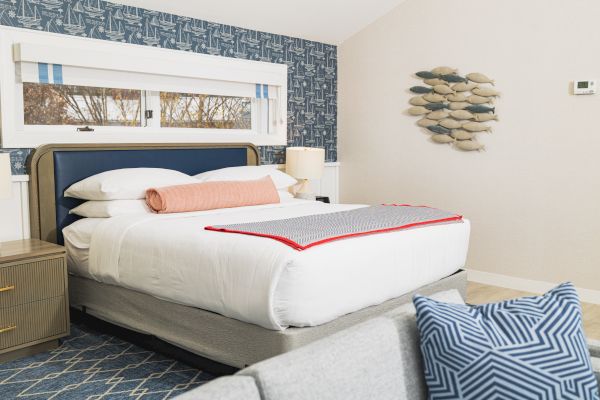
x=14 y=212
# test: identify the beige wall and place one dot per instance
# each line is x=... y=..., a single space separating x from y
x=534 y=196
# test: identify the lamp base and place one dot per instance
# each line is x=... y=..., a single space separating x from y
x=306 y=196
x=303 y=191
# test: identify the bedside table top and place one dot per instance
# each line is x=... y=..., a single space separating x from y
x=29 y=248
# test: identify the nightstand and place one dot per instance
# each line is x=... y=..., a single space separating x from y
x=34 y=305
x=322 y=199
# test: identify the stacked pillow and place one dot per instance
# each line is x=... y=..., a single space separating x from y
x=123 y=191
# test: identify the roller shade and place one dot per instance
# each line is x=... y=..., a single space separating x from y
x=39 y=68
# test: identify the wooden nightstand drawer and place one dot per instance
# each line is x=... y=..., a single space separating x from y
x=32 y=322
x=31 y=280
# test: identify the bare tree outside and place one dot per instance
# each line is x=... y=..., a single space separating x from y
x=46 y=104
x=185 y=110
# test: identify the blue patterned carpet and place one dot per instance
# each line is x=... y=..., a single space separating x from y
x=94 y=366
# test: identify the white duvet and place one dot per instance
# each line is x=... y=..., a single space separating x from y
x=260 y=280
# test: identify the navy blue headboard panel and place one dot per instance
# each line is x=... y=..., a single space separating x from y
x=73 y=166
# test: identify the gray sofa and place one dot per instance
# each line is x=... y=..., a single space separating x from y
x=378 y=359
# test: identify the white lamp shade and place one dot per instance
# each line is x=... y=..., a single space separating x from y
x=5 y=176
x=305 y=162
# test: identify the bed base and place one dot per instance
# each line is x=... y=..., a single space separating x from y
x=213 y=336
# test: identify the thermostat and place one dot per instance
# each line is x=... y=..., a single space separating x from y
x=584 y=87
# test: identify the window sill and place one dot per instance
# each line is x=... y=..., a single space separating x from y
x=37 y=139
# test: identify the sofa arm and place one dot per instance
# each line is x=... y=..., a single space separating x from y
x=594 y=346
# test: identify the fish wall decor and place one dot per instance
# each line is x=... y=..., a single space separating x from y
x=454 y=108
x=437 y=115
x=434 y=82
x=425 y=122
x=457 y=97
x=469 y=145
x=436 y=106
x=461 y=134
x=461 y=114
x=442 y=138
x=443 y=89
x=418 y=110
x=451 y=123
x=458 y=105
x=464 y=87
x=421 y=89
x=444 y=71
x=439 y=129
x=418 y=101
x=434 y=97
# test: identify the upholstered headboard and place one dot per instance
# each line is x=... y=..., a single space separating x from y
x=54 y=168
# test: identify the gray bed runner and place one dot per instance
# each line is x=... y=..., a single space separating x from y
x=302 y=233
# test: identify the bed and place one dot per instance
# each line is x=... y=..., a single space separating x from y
x=231 y=298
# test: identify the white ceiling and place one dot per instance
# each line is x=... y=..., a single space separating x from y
x=328 y=21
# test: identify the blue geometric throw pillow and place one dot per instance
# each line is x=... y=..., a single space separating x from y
x=528 y=348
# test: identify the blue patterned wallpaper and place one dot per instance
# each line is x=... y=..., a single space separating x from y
x=312 y=66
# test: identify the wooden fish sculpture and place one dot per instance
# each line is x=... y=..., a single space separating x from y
x=479 y=109
x=486 y=92
x=452 y=78
x=461 y=105
x=444 y=71
x=474 y=99
x=457 y=97
x=418 y=101
x=461 y=134
x=464 y=87
x=479 y=78
x=486 y=117
x=476 y=127
x=425 y=122
x=426 y=75
x=450 y=123
x=436 y=106
x=469 y=145
x=443 y=89
x=421 y=89
x=437 y=115
x=442 y=138
x=418 y=110
x=439 y=130
x=434 y=97
x=462 y=115
x=434 y=82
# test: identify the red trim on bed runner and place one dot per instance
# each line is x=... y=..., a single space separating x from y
x=299 y=247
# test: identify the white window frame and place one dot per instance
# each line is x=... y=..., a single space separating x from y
x=62 y=49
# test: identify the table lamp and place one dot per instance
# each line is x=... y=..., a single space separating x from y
x=304 y=163
x=5 y=176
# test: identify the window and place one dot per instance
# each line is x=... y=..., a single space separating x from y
x=188 y=110
x=55 y=85
x=46 y=104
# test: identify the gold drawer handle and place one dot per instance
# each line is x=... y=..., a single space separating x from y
x=7 y=288
x=8 y=329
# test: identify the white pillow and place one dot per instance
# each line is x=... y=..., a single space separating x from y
x=110 y=208
x=248 y=173
x=284 y=196
x=126 y=183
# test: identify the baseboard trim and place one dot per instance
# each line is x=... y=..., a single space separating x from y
x=527 y=285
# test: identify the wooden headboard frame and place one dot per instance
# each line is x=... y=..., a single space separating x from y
x=42 y=204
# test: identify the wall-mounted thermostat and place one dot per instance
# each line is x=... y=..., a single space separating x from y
x=584 y=87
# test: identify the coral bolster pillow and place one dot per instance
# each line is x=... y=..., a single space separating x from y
x=212 y=195
x=528 y=348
